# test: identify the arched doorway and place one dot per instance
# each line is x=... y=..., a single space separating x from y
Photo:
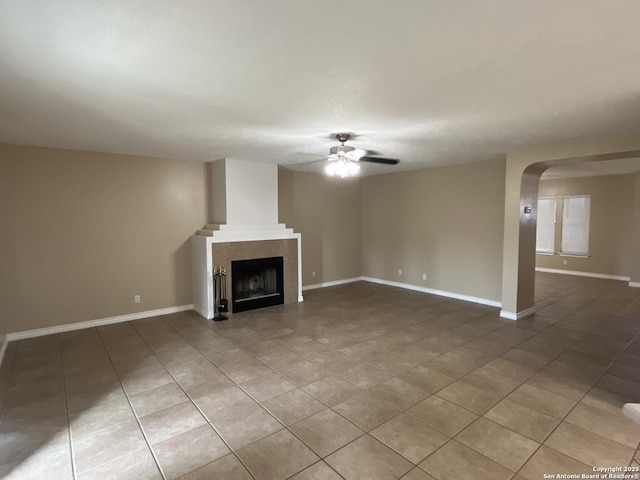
x=523 y=172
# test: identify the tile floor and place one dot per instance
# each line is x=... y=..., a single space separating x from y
x=359 y=382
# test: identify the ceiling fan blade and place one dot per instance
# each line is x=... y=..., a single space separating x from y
x=372 y=152
x=381 y=160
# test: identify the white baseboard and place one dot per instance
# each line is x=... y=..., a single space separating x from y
x=39 y=332
x=583 y=274
x=517 y=315
x=433 y=291
x=634 y=284
x=204 y=313
x=332 y=283
x=408 y=286
x=3 y=347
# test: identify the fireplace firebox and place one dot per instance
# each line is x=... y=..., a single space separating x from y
x=257 y=283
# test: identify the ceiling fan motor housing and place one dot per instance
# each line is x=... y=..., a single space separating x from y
x=343 y=137
x=341 y=150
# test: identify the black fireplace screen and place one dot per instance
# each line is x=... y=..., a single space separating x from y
x=257 y=283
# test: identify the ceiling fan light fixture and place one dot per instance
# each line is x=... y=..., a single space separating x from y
x=344 y=160
x=342 y=167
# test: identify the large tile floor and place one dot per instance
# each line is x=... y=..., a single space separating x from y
x=359 y=382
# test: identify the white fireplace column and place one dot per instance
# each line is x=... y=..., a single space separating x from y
x=244 y=193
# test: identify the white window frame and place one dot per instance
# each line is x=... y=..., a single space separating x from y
x=576 y=220
x=546 y=225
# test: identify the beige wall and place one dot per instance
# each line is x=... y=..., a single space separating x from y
x=85 y=232
x=446 y=222
x=327 y=212
x=611 y=224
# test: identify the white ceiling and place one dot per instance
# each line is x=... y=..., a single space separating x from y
x=429 y=82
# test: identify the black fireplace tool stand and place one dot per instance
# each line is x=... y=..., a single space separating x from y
x=221 y=304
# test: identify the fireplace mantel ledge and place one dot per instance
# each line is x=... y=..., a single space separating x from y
x=246 y=233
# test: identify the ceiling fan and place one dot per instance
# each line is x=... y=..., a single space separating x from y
x=343 y=159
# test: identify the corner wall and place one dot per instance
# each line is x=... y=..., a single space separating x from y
x=84 y=232
x=446 y=222
x=328 y=214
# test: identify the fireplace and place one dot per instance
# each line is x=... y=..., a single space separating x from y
x=257 y=283
x=243 y=208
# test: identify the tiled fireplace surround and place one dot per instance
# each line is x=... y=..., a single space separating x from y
x=224 y=253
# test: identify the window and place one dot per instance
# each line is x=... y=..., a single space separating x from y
x=576 y=211
x=546 y=229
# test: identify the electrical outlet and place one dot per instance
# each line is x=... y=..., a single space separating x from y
x=424 y=276
x=399 y=272
x=313 y=274
x=564 y=262
x=136 y=299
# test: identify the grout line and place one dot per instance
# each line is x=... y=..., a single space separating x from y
x=210 y=423
x=298 y=387
x=565 y=349
x=453 y=438
x=135 y=415
x=74 y=472
x=430 y=394
x=364 y=391
x=562 y=420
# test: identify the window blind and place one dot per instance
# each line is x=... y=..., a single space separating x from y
x=546 y=225
x=576 y=213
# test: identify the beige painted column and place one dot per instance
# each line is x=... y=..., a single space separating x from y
x=634 y=272
x=519 y=246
